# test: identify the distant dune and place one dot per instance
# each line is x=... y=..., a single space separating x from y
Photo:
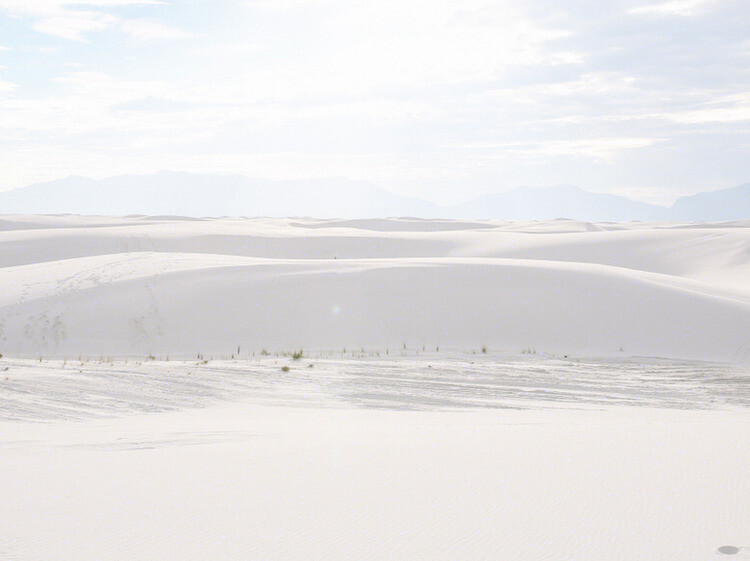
x=165 y=286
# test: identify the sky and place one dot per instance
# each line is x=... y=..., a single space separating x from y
x=438 y=99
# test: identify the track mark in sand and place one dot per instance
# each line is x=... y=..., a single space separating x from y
x=9 y=551
x=148 y=328
x=742 y=354
x=192 y=438
x=56 y=390
x=45 y=332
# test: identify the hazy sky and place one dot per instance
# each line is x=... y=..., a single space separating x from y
x=438 y=99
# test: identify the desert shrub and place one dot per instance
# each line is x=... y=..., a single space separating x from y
x=285 y=369
x=297 y=355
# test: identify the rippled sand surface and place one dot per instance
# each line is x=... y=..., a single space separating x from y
x=441 y=455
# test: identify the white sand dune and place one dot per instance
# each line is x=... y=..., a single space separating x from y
x=163 y=286
x=377 y=451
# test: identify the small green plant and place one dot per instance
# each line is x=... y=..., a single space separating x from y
x=285 y=369
x=264 y=352
x=297 y=355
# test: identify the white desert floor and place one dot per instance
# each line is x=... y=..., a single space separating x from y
x=376 y=452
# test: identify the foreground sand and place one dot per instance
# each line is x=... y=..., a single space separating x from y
x=438 y=456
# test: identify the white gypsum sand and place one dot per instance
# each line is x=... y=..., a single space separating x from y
x=436 y=456
x=434 y=451
x=174 y=287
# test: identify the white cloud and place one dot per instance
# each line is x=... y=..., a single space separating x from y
x=74 y=24
x=362 y=47
x=6 y=87
x=85 y=106
x=150 y=30
x=72 y=19
x=44 y=8
x=441 y=41
x=283 y=5
x=3 y=48
x=728 y=109
x=605 y=149
x=683 y=8
x=232 y=49
x=392 y=90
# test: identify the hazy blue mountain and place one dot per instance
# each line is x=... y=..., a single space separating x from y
x=210 y=195
x=171 y=193
x=722 y=205
x=563 y=201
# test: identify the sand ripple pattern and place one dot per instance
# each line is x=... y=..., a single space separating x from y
x=57 y=390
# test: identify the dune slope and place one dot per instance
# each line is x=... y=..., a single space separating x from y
x=178 y=287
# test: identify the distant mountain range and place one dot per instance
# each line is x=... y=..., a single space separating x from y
x=172 y=193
